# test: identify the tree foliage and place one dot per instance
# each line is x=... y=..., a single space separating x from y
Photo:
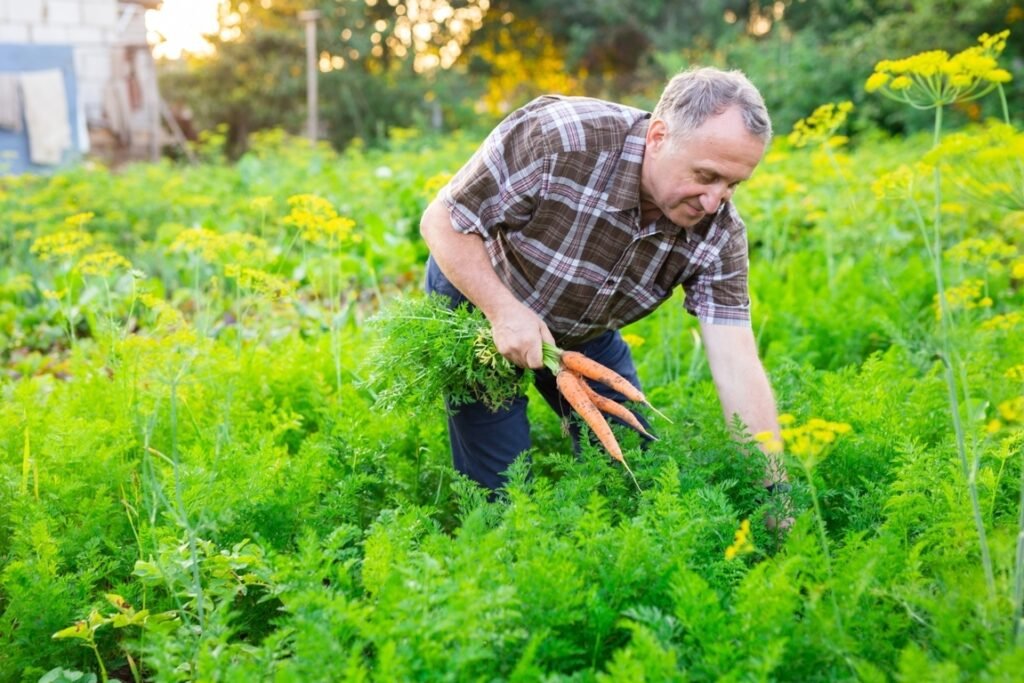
x=443 y=64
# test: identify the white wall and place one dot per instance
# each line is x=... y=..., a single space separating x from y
x=90 y=26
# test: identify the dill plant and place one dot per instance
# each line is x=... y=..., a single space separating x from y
x=931 y=81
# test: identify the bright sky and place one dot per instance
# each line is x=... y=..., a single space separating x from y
x=182 y=23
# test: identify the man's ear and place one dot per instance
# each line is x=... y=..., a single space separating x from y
x=657 y=135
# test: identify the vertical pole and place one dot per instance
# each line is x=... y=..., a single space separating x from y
x=309 y=17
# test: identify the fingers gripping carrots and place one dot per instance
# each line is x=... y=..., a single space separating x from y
x=570 y=369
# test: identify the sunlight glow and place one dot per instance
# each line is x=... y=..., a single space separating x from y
x=178 y=27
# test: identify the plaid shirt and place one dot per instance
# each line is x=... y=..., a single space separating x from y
x=554 y=192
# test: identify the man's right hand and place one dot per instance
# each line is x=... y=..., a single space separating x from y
x=519 y=333
x=463 y=258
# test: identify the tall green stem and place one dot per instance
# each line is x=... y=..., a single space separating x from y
x=99 y=660
x=1018 y=594
x=1002 y=101
x=951 y=363
x=820 y=519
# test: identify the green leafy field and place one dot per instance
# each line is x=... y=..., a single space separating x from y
x=195 y=484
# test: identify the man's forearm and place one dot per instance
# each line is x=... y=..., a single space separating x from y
x=743 y=387
x=518 y=332
x=754 y=403
x=464 y=261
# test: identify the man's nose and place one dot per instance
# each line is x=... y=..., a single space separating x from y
x=713 y=197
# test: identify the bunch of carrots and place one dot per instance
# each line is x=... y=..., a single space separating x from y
x=572 y=370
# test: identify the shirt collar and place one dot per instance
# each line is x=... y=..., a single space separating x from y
x=624 y=193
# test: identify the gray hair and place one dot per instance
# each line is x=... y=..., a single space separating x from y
x=695 y=95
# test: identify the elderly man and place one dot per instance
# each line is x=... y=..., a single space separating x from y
x=578 y=216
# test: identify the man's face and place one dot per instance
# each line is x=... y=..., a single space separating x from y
x=688 y=177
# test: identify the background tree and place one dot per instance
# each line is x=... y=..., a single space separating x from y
x=462 y=63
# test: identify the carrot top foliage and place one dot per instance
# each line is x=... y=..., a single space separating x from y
x=423 y=350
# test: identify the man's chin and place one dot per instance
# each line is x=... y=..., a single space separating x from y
x=687 y=221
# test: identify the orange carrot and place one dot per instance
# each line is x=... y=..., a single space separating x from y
x=572 y=388
x=607 y=405
x=591 y=369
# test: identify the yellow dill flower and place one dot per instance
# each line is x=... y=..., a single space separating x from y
x=901 y=183
x=261 y=203
x=434 y=184
x=876 y=81
x=1016 y=372
x=79 y=220
x=635 y=341
x=1017 y=269
x=54 y=295
x=999 y=76
x=934 y=78
x=967 y=295
x=213 y=246
x=810 y=441
x=261 y=282
x=1003 y=322
x=17 y=284
x=767 y=439
x=984 y=163
x=819 y=128
x=196 y=240
x=318 y=222
x=978 y=251
x=993 y=426
x=102 y=263
x=900 y=83
x=59 y=245
x=1012 y=410
x=741 y=544
x=166 y=314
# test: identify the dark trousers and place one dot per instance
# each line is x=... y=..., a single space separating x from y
x=486 y=442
